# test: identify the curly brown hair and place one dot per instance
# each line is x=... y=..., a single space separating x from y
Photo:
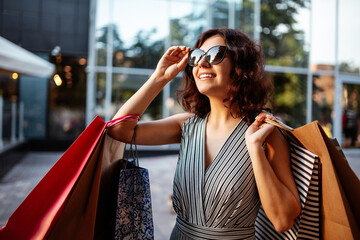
x=249 y=90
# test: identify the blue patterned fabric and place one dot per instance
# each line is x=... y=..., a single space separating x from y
x=133 y=211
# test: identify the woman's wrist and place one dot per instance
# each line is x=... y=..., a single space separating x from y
x=158 y=78
x=254 y=147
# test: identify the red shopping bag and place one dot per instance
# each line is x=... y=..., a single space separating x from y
x=63 y=205
x=38 y=213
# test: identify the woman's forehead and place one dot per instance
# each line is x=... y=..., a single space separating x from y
x=211 y=42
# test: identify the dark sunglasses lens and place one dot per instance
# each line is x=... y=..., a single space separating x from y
x=195 y=57
x=216 y=54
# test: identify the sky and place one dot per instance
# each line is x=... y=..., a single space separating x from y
x=131 y=16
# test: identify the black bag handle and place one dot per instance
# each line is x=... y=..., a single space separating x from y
x=131 y=150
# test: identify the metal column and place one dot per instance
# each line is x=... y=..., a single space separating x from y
x=90 y=82
x=338 y=83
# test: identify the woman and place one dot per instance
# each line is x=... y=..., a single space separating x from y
x=229 y=160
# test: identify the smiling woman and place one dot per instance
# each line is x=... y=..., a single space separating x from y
x=222 y=173
x=248 y=68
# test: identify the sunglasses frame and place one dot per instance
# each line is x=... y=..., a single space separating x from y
x=206 y=55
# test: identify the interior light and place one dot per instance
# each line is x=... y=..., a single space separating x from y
x=15 y=75
x=67 y=68
x=82 y=61
x=57 y=80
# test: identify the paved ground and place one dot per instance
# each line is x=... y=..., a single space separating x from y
x=18 y=182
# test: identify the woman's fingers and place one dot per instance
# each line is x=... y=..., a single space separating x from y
x=171 y=63
x=260 y=128
x=178 y=51
x=182 y=62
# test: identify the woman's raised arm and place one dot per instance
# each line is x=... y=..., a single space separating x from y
x=157 y=132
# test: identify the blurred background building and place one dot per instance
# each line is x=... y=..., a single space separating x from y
x=101 y=52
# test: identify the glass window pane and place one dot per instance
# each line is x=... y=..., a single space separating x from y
x=101 y=25
x=289 y=99
x=283 y=32
x=220 y=14
x=323 y=101
x=34 y=105
x=323 y=38
x=244 y=16
x=142 y=27
x=187 y=21
x=172 y=103
x=100 y=95
x=7 y=121
x=351 y=115
x=144 y=53
x=124 y=86
x=67 y=98
x=102 y=13
x=349 y=36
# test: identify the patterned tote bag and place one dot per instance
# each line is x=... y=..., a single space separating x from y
x=305 y=167
x=133 y=210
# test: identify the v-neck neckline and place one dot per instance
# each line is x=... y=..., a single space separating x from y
x=220 y=149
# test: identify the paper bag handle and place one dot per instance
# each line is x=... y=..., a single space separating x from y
x=129 y=117
x=279 y=124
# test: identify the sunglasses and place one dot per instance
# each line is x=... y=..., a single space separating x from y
x=214 y=55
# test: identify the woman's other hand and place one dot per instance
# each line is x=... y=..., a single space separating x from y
x=272 y=172
x=258 y=131
x=171 y=63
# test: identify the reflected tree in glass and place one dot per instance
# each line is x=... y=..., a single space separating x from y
x=101 y=43
x=323 y=101
x=245 y=16
x=220 y=11
x=349 y=67
x=289 y=97
x=145 y=52
x=186 y=30
x=283 y=44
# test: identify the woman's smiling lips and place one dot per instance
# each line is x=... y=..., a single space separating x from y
x=206 y=76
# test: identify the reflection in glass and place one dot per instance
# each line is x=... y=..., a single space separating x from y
x=144 y=53
x=142 y=32
x=124 y=86
x=282 y=37
x=186 y=25
x=349 y=38
x=289 y=98
x=351 y=115
x=220 y=13
x=323 y=32
x=175 y=84
x=323 y=101
x=102 y=24
x=244 y=16
x=100 y=95
x=7 y=117
x=66 y=101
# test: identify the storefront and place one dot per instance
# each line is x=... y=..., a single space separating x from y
x=313 y=67
x=20 y=73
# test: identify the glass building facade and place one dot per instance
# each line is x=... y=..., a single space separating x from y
x=311 y=51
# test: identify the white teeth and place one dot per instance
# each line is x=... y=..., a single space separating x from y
x=206 y=75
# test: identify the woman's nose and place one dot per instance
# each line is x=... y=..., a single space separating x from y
x=204 y=62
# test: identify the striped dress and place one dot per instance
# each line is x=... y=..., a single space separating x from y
x=221 y=201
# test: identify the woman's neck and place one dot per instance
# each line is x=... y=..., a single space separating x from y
x=219 y=113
